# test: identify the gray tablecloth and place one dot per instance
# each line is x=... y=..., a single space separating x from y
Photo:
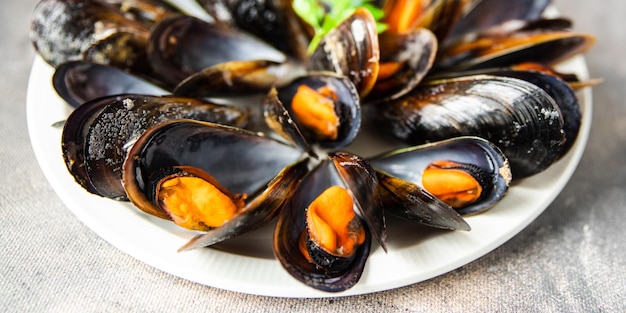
x=570 y=259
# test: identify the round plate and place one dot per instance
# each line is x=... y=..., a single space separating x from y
x=246 y=264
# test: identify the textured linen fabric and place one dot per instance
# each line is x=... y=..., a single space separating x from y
x=570 y=259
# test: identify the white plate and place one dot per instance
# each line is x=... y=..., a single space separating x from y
x=246 y=264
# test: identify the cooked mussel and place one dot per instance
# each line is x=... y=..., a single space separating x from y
x=468 y=174
x=333 y=230
x=517 y=116
x=250 y=187
x=322 y=237
x=324 y=107
x=97 y=135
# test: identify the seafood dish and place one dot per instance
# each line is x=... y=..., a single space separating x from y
x=245 y=116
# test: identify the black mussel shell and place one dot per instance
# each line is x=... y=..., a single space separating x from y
x=401 y=170
x=97 y=134
x=562 y=93
x=559 y=86
x=181 y=46
x=517 y=116
x=79 y=81
x=362 y=182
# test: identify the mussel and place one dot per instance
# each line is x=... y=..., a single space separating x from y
x=96 y=31
x=540 y=42
x=519 y=117
x=176 y=171
x=324 y=107
x=322 y=237
x=468 y=174
x=351 y=49
x=97 y=135
x=148 y=12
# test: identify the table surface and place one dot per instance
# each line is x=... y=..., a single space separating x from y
x=570 y=259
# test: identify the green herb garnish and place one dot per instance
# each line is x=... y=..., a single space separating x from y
x=324 y=15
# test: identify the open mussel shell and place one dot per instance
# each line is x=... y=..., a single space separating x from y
x=252 y=160
x=292 y=223
x=350 y=49
x=97 y=135
x=405 y=59
x=183 y=45
x=362 y=182
x=234 y=78
x=304 y=98
x=244 y=163
x=401 y=172
x=517 y=116
x=68 y=30
x=79 y=81
x=547 y=47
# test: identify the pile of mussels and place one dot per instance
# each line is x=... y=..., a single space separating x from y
x=468 y=87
